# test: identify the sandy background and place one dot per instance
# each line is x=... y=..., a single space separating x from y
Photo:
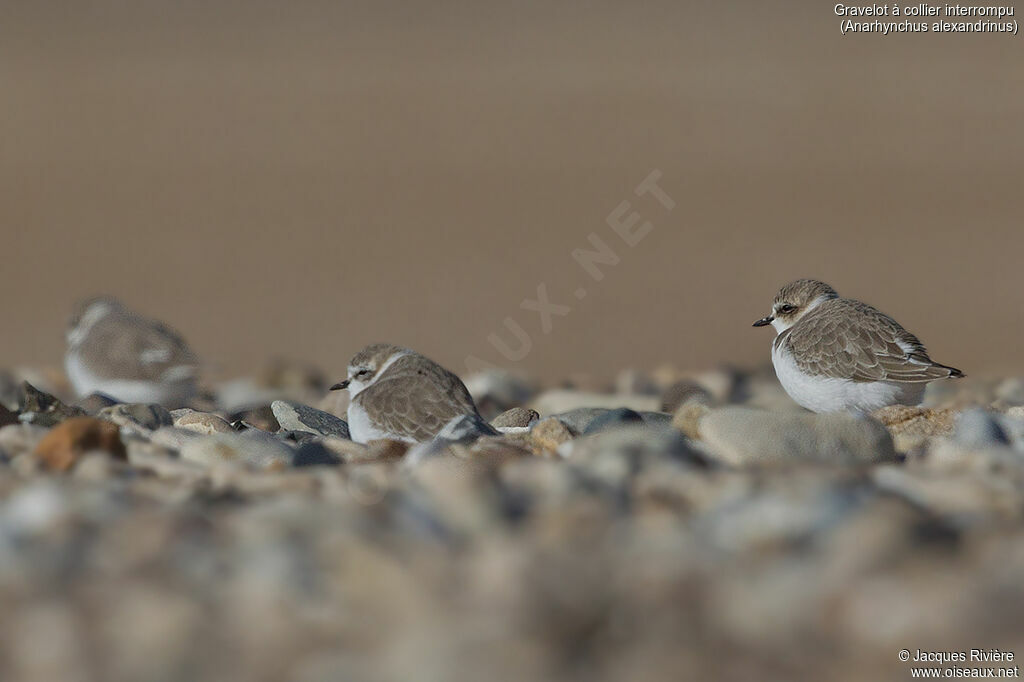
x=301 y=181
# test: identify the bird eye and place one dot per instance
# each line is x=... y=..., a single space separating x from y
x=363 y=373
x=786 y=308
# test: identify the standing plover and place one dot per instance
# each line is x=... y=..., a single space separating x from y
x=835 y=353
x=399 y=394
x=132 y=359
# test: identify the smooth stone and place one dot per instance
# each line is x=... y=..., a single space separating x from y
x=7 y=417
x=618 y=417
x=314 y=453
x=292 y=416
x=173 y=437
x=580 y=419
x=687 y=418
x=964 y=499
x=517 y=417
x=548 y=434
x=72 y=438
x=977 y=428
x=34 y=508
x=297 y=437
x=261 y=418
x=465 y=429
x=252 y=447
x=634 y=442
x=493 y=451
x=683 y=391
x=200 y=422
x=375 y=451
x=137 y=416
x=741 y=435
x=43 y=409
x=19 y=439
x=912 y=427
x=94 y=402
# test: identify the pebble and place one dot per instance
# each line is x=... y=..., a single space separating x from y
x=7 y=417
x=683 y=391
x=315 y=453
x=253 y=447
x=94 y=402
x=465 y=429
x=174 y=437
x=200 y=422
x=18 y=439
x=630 y=446
x=977 y=428
x=72 y=438
x=912 y=427
x=687 y=418
x=515 y=418
x=137 y=417
x=292 y=416
x=42 y=409
x=741 y=435
x=618 y=548
x=548 y=434
x=611 y=419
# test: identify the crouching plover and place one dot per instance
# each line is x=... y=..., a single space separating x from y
x=132 y=359
x=835 y=353
x=399 y=394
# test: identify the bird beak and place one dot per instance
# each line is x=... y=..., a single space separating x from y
x=764 y=320
x=340 y=385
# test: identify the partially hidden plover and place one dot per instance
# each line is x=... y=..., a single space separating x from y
x=834 y=354
x=125 y=356
x=399 y=394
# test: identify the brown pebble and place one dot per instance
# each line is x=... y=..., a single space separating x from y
x=548 y=434
x=516 y=417
x=72 y=438
x=912 y=426
x=687 y=418
x=681 y=392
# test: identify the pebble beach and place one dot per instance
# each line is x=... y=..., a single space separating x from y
x=689 y=525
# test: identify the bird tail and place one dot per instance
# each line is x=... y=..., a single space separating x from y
x=954 y=373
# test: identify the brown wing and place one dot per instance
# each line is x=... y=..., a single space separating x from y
x=132 y=347
x=416 y=398
x=851 y=340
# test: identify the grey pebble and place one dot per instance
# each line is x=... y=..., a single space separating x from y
x=294 y=416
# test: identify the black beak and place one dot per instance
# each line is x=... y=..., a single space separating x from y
x=764 y=320
x=340 y=385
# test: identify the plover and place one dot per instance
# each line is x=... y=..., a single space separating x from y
x=399 y=394
x=123 y=355
x=835 y=353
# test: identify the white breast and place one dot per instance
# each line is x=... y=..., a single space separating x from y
x=828 y=394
